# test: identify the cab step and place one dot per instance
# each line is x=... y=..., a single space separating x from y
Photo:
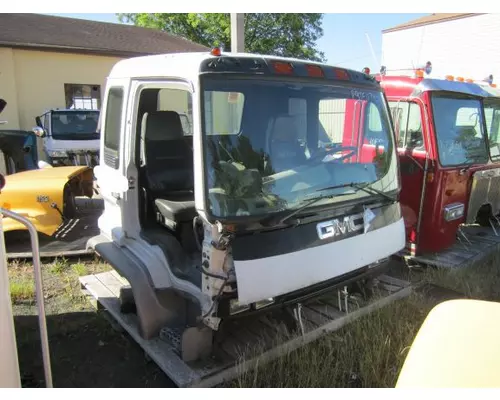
x=243 y=342
x=474 y=243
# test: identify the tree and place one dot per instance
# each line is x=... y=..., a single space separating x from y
x=287 y=35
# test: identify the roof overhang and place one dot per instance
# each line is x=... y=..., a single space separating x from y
x=441 y=85
x=72 y=50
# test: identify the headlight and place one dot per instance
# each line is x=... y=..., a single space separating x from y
x=453 y=211
x=57 y=154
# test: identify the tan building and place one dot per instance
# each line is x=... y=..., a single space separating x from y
x=55 y=62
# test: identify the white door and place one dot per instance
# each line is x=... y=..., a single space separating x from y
x=110 y=173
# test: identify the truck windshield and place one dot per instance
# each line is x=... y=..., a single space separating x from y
x=74 y=125
x=459 y=129
x=492 y=116
x=270 y=145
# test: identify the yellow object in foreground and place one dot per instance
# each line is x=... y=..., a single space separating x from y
x=39 y=194
x=457 y=346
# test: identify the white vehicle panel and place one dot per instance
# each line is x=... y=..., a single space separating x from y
x=273 y=276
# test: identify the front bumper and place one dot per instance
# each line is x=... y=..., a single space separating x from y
x=309 y=293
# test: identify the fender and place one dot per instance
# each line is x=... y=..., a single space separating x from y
x=39 y=195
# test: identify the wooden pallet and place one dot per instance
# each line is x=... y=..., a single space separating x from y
x=231 y=353
x=480 y=243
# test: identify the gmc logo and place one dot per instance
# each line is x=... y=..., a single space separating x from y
x=338 y=227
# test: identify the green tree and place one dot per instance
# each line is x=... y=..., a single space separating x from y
x=287 y=35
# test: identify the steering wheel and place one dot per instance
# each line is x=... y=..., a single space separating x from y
x=322 y=153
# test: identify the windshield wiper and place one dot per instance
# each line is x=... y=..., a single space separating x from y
x=310 y=201
x=313 y=200
x=361 y=186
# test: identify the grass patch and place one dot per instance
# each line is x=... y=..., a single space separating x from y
x=21 y=282
x=22 y=290
x=370 y=351
x=80 y=269
x=59 y=266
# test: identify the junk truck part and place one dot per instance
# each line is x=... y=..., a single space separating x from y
x=285 y=193
x=69 y=136
x=448 y=144
x=61 y=205
x=464 y=351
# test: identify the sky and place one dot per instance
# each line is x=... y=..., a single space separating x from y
x=346 y=39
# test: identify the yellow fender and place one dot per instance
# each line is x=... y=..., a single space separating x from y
x=34 y=193
x=457 y=346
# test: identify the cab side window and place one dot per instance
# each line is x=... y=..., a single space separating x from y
x=407 y=124
x=112 y=127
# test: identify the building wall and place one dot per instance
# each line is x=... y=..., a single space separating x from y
x=466 y=47
x=33 y=81
x=40 y=78
x=8 y=89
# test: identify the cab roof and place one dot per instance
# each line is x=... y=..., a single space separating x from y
x=190 y=65
x=413 y=86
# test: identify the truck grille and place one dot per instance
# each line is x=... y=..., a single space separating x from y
x=485 y=189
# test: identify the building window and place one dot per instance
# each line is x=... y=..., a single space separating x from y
x=82 y=96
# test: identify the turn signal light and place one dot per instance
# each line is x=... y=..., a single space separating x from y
x=419 y=73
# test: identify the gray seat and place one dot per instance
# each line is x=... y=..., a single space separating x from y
x=168 y=171
x=284 y=147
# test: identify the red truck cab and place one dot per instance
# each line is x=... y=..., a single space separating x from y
x=447 y=139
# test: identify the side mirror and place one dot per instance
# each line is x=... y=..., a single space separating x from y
x=38 y=122
x=3 y=104
x=39 y=131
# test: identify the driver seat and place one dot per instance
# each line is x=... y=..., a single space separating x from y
x=284 y=146
x=168 y=168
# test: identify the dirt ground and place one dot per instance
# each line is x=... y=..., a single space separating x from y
x=85 y=350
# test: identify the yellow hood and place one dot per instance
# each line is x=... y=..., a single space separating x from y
x=38 y=195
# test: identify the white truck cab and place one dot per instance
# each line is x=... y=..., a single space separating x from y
x=245 y=211
x=69 y=136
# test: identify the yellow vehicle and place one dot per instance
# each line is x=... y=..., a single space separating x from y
x=456 y=347
x=46 y=196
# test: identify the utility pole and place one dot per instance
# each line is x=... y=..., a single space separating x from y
x=237 y=33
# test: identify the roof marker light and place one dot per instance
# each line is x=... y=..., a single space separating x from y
x=315 y=71
x=468 y=80
x=341 y=74
x=460 y=79
x=216 y=51
x=449 y=77
x=282 y=67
